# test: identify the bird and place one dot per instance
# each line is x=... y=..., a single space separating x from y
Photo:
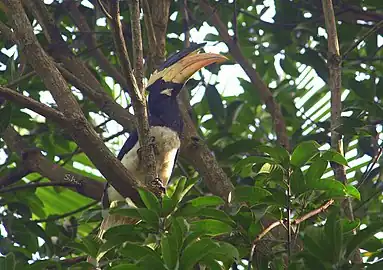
x=165 y=123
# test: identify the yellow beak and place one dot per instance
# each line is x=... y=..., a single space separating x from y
x=182 y=70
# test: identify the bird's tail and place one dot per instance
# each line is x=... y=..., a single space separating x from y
x=108 y=222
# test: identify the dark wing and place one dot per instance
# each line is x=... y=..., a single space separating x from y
x=128 y=145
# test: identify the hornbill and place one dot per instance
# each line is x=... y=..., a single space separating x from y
x=165 y=122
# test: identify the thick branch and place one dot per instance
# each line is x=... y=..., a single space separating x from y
x=101 y=99
x=34 y=105
x=14 y=175
x=137 y=96
x=264 y=92
x=151 y=35
x=83 y=78
x=335 y=83
x=79 y=128
x=160 y=18
x=34 y=161
x=195 y=151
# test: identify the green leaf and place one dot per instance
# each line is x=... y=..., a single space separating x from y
x=129 y=232
x=232 y=112
x=168 y=205
x=137 y=252
x=6 y=114
x=206 y=201
x=210 y=227
x=196 y=251
x=78 y=246
x=252 y=161
x=304 y=152
x=127 y=212
x=334 y=234
x=145 y=214
x=332 y=155
x=149 y=216
x=150 y=200
x=169 y=251
x=316 y=170
x=216 y=214
x=297 y=181
x=215 y=103
x=252 y=195
x=363 y=236
x=178 y=230
x=126 y=266
x=9 y=262
x=352 y=192
x=225 y=252
x=334 y=188
x=178 y=192
x=278 y=153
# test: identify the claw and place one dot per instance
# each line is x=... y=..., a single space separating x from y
x=157 y=183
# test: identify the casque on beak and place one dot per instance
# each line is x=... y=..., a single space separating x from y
x=183 y=69
x=190 y=64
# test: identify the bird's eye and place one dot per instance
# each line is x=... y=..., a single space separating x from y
x=167 y=92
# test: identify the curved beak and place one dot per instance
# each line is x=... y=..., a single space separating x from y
x=181 y=71
x=184 y=68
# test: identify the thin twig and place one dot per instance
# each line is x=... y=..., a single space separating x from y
x=334 y=62
x=370 y=167
x=103 y=9
x=186 y=23
x=21 y=78
x=362 y=38
x=283 y=222
x=38 y=185
x=259 y=85
x=235 y=23
x=137 y=97
x=54 y=218
x=138 y=56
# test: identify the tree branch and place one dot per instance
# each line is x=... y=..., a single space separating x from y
x=56 y=217
x=264 y=92
x=282 y=222
x=151 y=36
x=334 y=62
x=91 y=42
x=362 y=38
x=14 y=175
x=137 y=96
x=34 y=161
x=138 y=58
x=79 y=128
x=160 y=17
x=34 y=105
x=38 y=185
x=101 y=99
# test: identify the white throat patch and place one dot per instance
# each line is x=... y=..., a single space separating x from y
x=167 y=92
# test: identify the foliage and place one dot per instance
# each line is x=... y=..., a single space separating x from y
x=189 y=226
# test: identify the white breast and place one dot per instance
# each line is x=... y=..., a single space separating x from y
x=167 y=143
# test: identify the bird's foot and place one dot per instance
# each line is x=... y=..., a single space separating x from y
x=158 y=185
x=196 y=141
x=152 y=143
